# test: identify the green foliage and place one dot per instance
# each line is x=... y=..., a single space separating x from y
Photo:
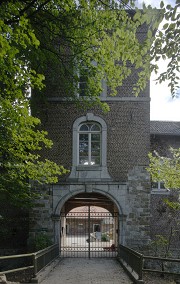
x=104 y=238
x=20 y=139
x=20 y=161
x=67 y=36
x=39 y=242
x=160 y=246
x=166 y=46
x=166 y=169
x=100 y=36
x=173 y=205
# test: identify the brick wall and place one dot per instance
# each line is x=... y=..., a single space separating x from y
x=127 y=134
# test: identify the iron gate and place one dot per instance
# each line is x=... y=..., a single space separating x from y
x=89 y=234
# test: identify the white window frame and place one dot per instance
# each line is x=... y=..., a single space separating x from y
x=89 y=143
x=90 y=117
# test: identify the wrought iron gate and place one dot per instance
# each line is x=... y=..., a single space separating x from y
x=89 y=234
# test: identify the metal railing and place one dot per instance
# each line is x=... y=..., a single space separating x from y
x=133 y=260
x=162 y=262
x=43 y=257
x=37 y=261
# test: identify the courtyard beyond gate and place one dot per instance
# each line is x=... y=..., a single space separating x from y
x=89 y=233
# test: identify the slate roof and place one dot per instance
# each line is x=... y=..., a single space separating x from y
x=165 y=127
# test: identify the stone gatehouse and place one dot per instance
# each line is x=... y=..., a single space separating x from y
x=106 y=155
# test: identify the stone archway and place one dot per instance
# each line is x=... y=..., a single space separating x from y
x=89 y=226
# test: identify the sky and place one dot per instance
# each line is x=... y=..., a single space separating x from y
x=163 y=106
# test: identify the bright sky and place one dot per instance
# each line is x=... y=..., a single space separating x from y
x=163 y=107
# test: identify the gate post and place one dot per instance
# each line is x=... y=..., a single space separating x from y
x=56 y=220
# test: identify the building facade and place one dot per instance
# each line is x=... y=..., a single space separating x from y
x=106 y=155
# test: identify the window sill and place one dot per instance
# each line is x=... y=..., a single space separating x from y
x=160 y=191
x=89 y=168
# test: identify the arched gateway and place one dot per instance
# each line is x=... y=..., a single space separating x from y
x=89 y=226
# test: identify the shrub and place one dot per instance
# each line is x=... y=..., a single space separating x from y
x=39 y=242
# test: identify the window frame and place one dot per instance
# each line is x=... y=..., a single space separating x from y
x=89 y=172
x=90 y=133
x=81 y=92
x=89 y=117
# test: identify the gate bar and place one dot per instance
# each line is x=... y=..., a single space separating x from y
x=89 y=227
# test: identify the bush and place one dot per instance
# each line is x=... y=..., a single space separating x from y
x=39 y=242
x=104 y=238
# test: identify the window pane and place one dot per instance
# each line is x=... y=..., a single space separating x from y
x=154 y=185
x=82 y=89
x=83 y=137
x=83 y=150
x=83 y=80
x=83 y=147
x=95 y=149
x=84 y=127
x=83 y=160
x=95 y=127
x=95 y=137
x=95 y=160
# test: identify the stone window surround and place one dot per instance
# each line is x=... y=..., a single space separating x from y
x=89 y=133
x=90 y=171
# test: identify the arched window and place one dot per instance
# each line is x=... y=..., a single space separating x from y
x=89 y=160
x=89 y=144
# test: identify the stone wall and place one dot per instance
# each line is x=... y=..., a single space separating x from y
x=165 y=221
x=131 y=200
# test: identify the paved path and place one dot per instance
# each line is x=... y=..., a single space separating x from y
x=87 y=271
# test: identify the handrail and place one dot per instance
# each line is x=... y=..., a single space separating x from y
x=133 y=259
x=162 y=259
x=16 y=255
x=135 y=262
x=16 y=269
x=43 y=257
x=39 y=259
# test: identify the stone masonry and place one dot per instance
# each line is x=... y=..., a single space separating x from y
x=121 y=177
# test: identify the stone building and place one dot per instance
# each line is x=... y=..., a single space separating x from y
x=106 y=155
x=119 y=185
x=165 y=220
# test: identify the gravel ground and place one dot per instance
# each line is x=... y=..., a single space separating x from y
x=87 y=271
x=96 y=271
x=152 y=278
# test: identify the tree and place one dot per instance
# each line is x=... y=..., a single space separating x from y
x=166 y=169
x=72 y=36
x=69 y=35
x=97 y=39
x=20 y=158
x=20 y=140
x=166 y=46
